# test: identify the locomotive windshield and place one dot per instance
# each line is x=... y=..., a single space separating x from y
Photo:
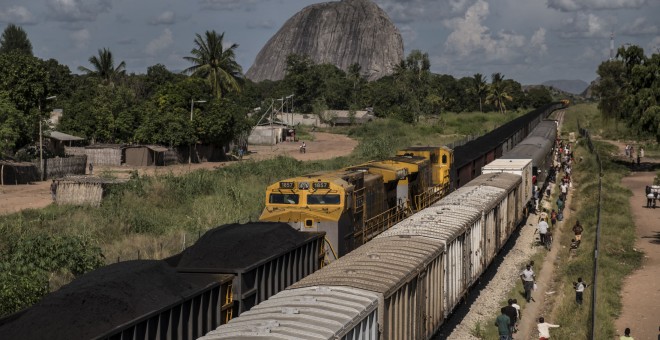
x=323 y=199
x=283 y=198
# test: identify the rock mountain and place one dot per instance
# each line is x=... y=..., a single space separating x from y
x=341 y=33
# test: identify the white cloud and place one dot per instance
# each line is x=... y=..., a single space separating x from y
x=77 y=10
x=80 y=38
x=165 y=18
x=538 y=41
x=415 y=10
x=639 y=27
x=586 y=25
x=578 y=5
x=17 y=15
x=162 y=42
x=470 y=37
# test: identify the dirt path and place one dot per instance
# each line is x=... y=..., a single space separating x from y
x=640 y=294
x=544 y=280
x=14 y=198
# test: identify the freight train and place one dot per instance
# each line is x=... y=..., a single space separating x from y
x=227 y=271
x=406 y=281
x=235 y=267
x=354 y=204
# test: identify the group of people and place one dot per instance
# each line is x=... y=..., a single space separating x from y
x=507 y=321
x=630 y=153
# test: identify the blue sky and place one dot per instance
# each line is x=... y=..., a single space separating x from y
x=527 y=40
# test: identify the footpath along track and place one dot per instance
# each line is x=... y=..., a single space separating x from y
x=485 y=301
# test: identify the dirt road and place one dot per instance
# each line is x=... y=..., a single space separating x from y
x=640 y=295
x=14 y=198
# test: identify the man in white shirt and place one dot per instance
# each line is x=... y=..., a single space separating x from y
x=527 y=277
x=579 y=290
x=543 y=230
x=544 y=329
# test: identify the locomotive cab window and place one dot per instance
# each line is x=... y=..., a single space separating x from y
x=323 y=199
x=444 y=159
x=283 y=198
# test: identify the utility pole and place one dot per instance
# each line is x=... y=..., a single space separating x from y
x=192 y=105
x=41 y=140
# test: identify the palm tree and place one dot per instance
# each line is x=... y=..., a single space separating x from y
x=215 y=63
x=480 y=88
x=497 y=92
x=104 y=66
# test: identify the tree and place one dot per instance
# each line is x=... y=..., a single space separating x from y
x=497 y=92
x=610 y=88
x=14 y=39
x=104 y=66
x=538 y=96
x=25 y=81
x=9 y=125
x=479 y=88
x=215 y=63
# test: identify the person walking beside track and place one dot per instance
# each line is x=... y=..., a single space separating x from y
x=503 y=323
x=544 y=329
x=579 y=290
x=543 y=231
x=512 y=313
x=527 y=276
x=626 y=335
x=577 y=229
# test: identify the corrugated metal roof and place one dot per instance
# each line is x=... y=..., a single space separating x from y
x=442 y=223
x=61 y=136
x=502 y=180
x=507 y=164
x=157 y=148
x=305 y=313
x=479 y=197
x=382 y=265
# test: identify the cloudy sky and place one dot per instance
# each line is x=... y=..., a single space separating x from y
x=527 y=40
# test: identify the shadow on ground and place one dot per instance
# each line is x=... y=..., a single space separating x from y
x=655 y=239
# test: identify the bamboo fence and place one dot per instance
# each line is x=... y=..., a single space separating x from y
x=83 y=190
x=14 y=173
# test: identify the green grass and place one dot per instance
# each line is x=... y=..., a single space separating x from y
x=156 y=216
x=617 y=258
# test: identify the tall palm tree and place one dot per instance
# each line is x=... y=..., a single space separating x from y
x=215 y=63
x=497 y=92
x=104 y=66
x=480 y=88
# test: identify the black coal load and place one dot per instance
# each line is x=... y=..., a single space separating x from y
x=99 y=301
x=240 y=246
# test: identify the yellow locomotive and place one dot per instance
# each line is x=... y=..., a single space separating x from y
x=354 y=204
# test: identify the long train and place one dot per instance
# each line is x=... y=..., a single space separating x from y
x=221 y=282
x=354 y=204
x=405 y=282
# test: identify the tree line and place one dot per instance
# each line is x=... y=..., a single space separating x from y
x=629 y=90
x=104 y=104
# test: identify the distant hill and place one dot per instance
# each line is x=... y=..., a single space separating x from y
x=340 y=33
x=570 y=86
